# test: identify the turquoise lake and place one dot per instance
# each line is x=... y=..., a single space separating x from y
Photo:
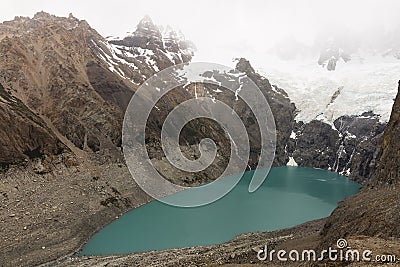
x=289 y=196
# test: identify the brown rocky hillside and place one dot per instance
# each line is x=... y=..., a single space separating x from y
x=23 y=134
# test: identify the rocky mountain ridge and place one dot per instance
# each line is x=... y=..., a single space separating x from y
x=105 y=73
x=63 y=70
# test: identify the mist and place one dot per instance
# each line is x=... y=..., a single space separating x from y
x=223 y=30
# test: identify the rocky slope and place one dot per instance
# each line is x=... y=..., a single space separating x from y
x=24 y=135
x=44 y=66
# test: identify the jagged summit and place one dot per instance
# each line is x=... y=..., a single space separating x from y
x=168 y=33
x=148 y=35
x=23 y=25
x=146 y=28
x=45 y=17
x=149 y=49
x=146 y=20
x=42 y=15
x=243 y=65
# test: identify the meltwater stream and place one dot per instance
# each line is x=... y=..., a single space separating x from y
x=288 y=197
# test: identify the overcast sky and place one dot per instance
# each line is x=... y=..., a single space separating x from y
x=222 y=29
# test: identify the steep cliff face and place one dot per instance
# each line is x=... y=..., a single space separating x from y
x=350 y=146
x=388 y=169
x=315 y=145
x=374 y=211
x=282 y=108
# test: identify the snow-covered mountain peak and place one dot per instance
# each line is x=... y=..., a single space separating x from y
x=145 y=51
x=146 y=28
x=168 y=33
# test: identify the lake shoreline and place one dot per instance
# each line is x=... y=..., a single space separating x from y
x=242 y=250
x=244 y=244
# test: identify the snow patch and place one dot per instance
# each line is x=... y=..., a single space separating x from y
x=291 y=162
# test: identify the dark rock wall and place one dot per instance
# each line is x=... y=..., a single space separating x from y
x=350 y=146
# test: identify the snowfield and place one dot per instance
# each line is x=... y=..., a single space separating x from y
x=367 y=84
